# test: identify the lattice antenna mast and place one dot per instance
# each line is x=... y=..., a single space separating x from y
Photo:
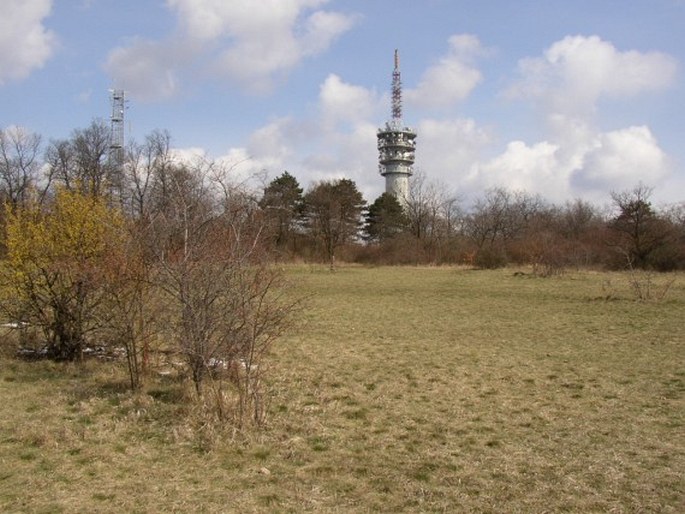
x=116 y=144
x=396 y=90
x=115 y=173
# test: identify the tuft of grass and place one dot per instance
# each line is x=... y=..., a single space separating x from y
x=403 y=390
x=261 y=453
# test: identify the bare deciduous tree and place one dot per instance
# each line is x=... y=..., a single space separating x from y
x=434 y=215
x=80 y=163
x=146 y=167
x=497 y=219
x=19 y=164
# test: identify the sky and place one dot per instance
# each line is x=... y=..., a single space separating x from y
x=562 y=98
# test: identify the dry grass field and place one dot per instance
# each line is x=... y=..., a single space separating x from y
x=401 y=390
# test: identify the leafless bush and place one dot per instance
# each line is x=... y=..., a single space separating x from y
x=225 y=302
x=646 y=288
x=491 y=256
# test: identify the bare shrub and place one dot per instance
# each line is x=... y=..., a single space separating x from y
x=547 y=254
x=645 y=287
x=490 y=256
x=132 y=309
x=225 y=304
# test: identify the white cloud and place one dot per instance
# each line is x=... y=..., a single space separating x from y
x=574 y=73
x=575 y=158
x=212 y=19
x=253 y=44
x=148 y=70
x=341 y=101
x=188 y=155
x=448 y=149
x=344 y=136
x=562 y=170
x=535 y=169
x=452 y=79
x=257 y=43
x=25 y=43
x=322 y=28
x=621 y=159
x=272 y=144
x=355 y=156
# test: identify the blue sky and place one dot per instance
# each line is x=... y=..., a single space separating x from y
x=568 y=99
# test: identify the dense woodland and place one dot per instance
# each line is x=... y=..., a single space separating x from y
x=162 y=250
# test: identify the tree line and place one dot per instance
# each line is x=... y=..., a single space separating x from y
x=331 y=219
x=502 y=227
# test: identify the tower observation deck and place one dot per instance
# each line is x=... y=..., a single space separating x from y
x=396 y=145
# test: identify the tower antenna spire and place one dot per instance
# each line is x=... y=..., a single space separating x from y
x=396 y=89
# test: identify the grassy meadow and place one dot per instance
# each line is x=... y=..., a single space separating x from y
x=401 y=390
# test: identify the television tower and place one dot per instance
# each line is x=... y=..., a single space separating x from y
x=396 y=145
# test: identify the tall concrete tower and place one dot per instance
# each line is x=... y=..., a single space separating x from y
x=396 y=145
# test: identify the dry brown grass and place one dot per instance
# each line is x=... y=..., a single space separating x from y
x=404 y=390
